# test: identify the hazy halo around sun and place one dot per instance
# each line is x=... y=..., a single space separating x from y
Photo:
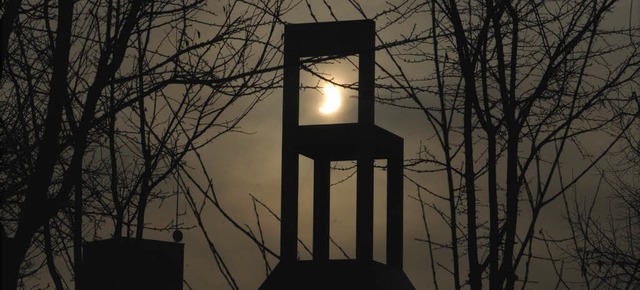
x=332 y=100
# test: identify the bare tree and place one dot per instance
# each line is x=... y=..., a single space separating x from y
x=513 y=92
x=517 y=88
x=102 y=101
x=605 y=244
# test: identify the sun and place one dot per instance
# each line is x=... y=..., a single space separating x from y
x=332 y=100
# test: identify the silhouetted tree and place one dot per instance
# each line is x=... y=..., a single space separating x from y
x=102 y=101
x=515 y=92
x=606 y=244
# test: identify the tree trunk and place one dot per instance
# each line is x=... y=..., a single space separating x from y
x=37 y=209
x=13 y=254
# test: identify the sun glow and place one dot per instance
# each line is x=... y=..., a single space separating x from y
x=332 y=100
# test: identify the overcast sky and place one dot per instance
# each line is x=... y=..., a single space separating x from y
x=249 y=164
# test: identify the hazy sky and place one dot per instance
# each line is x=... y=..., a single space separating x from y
x=245 y=164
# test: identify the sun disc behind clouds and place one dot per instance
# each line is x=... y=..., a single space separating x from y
x=332 y=100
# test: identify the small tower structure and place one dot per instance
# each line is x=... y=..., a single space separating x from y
x=132 y=264
x=362 y=141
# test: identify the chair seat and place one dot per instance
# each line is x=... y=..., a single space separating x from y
x=339 y=142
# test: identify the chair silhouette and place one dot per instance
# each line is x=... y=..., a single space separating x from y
x=362 y=141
